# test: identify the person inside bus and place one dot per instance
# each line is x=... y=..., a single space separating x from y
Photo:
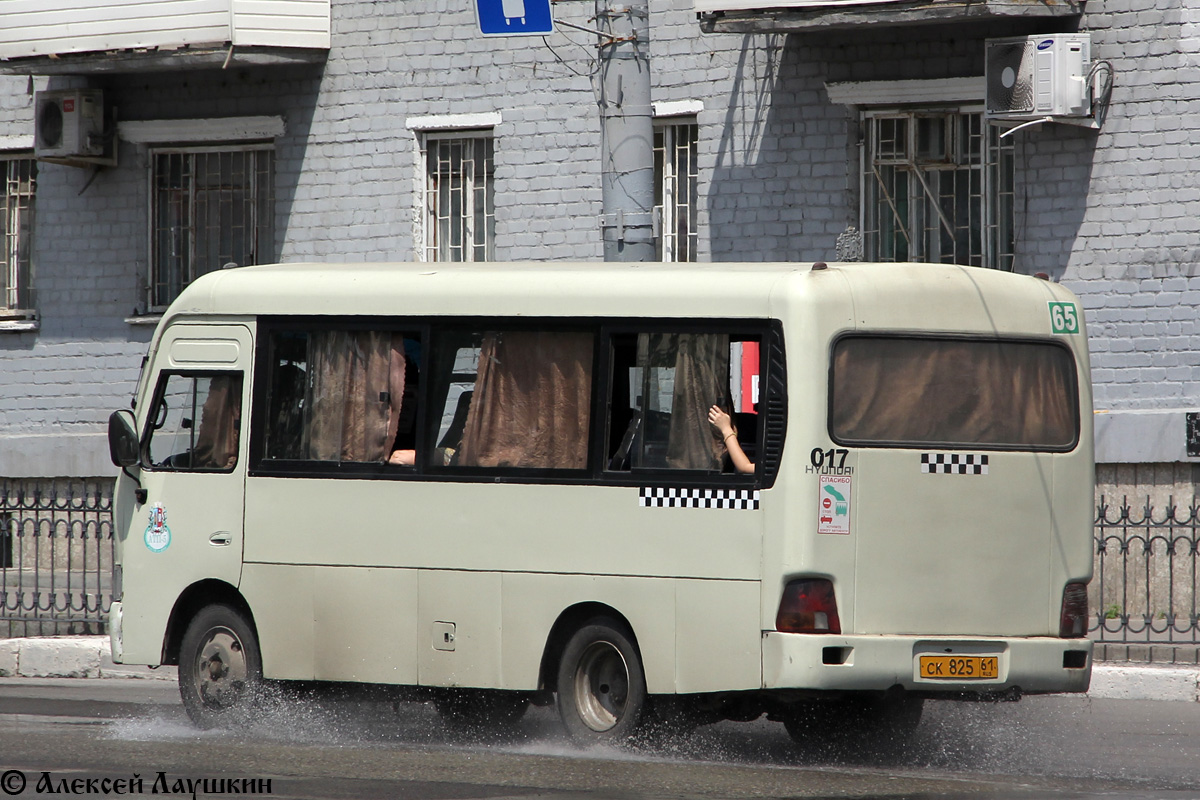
x=724 y=425
x=220 y=419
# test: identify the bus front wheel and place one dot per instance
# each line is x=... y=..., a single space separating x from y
x=601 y=684
x=220 y=667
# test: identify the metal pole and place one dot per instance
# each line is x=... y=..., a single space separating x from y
x=626 y=131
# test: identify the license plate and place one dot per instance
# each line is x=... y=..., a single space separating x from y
x=959 y=668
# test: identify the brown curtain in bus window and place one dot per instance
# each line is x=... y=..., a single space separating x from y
x=953 y=392
x=532 y=402
x=356 y=389
x=1041 y=379
x=701 y=380
x=220 y=419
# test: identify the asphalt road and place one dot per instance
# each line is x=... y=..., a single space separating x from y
x=68 y=731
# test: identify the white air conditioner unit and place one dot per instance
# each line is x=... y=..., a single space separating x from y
x=69 y=124
x=1031 y=77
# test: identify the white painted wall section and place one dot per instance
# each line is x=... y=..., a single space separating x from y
x=51 y=27
x=281 y=23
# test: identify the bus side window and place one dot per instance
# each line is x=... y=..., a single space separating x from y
x=287 y=388
x=197 y=423
x=403 y=428
x=512 y=399
x=663 y=387
x=343 y=396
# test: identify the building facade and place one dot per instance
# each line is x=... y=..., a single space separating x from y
x=396 y=132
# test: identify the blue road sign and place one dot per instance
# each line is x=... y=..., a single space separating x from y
x=514 y=17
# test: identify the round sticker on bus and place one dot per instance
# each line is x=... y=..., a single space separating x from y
x=158 y=535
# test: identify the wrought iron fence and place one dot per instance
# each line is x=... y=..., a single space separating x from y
x=56 y=556
x=1144 y=593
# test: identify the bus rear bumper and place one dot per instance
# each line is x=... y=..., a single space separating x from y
x=1028 y=665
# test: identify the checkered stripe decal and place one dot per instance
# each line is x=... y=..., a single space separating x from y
x=740 y=499
x=954 y=463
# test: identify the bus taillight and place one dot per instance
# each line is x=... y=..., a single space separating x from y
x=1073 y=620
x=808 y=606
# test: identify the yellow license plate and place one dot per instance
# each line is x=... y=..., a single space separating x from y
x=959 y=668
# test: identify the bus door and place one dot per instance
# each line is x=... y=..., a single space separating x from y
x=954 y=493
x=193 y=465
x=954 y=542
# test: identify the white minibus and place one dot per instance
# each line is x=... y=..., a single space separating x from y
x=644 y=492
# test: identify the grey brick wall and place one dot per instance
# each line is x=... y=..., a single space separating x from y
x=1113 y=214
x=1132 y=196
x=59 y=384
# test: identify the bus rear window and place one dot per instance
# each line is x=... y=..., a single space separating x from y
x=953 y=392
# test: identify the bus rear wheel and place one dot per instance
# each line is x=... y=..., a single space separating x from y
x=220 y=667
x=601 y=684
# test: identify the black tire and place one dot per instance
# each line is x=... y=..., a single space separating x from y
x=480 y=711
x=879 y=722
x=220 y=668
x=601 y=684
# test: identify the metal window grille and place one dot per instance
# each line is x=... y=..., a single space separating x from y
x=675 y=181
x=210 y=208
x=937 y=186
x=16 y=229
x=460 y=198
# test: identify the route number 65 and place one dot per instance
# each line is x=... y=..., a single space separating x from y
x=1063 y=318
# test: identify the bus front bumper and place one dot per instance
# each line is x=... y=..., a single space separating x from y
x=116 y=616
x=1028 y=665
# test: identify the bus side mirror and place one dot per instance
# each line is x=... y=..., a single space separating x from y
x=123 y=446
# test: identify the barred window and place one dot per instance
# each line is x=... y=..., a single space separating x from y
x=209 y=208
x=16 y=228
x=459 y=215
x=938 y=186
x=675 y=177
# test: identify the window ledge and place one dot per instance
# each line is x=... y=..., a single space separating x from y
x=144 y=319
x=19 y=321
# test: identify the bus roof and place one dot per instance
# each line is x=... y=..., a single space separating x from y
x=889 y=295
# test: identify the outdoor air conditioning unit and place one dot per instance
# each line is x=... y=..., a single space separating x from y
x=69 y=124
x=1032 y=77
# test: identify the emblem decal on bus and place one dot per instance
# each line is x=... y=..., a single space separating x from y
x=662 y=497
x=158 y=535
x=954 y=463
x=833 y=512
